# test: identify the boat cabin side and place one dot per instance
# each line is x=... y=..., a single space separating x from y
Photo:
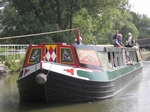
x=120 y=57
x=83 y=56
x=106 y=57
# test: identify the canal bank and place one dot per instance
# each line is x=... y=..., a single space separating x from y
x=145 y=56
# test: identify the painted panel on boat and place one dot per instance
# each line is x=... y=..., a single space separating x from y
x=66 y=55
x=35 y=55
x=64 y=70
x=51 y=53
x=88 y=57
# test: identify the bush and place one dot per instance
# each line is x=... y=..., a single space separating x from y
x=14 y=66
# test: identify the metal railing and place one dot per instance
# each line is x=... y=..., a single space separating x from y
x=16 y=50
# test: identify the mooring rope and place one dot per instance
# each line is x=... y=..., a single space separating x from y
x=37 y=34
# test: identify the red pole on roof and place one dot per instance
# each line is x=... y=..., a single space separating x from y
x=78 y=36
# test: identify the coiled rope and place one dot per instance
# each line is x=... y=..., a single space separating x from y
x=37 y=34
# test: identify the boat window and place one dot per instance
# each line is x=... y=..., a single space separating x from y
x=35 y=55
x=131 y=56
x=111 y=60
x=124 y=57
x=115 y=59
x=66 y=55
x=103 y=59
x=88 y=57
x=120 y=59
x=134 y=57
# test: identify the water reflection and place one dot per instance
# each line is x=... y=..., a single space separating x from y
x=133 y=98
x=8 y=93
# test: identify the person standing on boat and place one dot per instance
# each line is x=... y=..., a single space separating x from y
x=78 y=38
x=118 y=41
x=129 y=42
x=80 y=41
x=115 y=36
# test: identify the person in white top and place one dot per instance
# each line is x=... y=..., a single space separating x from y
x=129 y=42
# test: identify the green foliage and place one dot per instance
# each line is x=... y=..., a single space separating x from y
x=20 y=63
x=84 y=21
x=14 y=66
x=96 y=20
x=142 y=22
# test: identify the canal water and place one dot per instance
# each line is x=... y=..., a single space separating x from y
x=133 y=98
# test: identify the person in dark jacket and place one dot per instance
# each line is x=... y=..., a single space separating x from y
x=118 y=41
x=115 y=36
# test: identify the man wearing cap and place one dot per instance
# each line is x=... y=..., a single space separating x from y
x=129 y=42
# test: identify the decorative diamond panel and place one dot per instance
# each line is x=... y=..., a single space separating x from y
x=51 y=53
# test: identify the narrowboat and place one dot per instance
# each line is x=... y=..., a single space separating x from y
x=57 y=72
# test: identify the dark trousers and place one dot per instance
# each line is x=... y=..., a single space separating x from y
x=128 y=45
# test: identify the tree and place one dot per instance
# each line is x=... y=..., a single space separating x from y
x=97 y=19
x=142 y=22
